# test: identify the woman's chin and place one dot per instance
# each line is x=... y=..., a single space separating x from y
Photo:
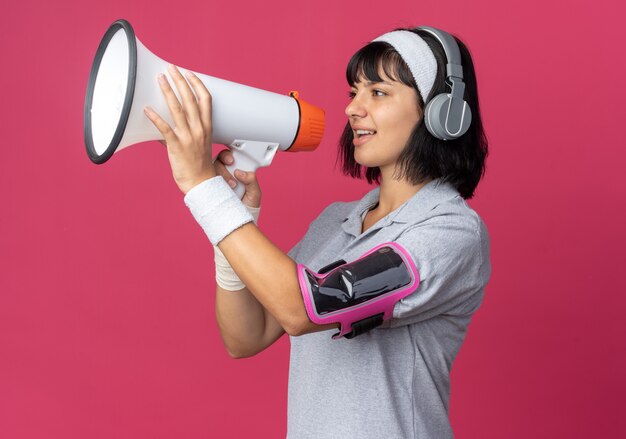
x=364 y=160
x=368 y=162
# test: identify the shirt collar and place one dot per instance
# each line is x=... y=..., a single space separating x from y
x=427 y=198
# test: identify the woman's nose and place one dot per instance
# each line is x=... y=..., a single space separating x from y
x=355 y=108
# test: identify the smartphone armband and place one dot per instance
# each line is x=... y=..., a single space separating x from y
x=359 y=295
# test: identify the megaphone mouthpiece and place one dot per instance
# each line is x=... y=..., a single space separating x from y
x=311 y=128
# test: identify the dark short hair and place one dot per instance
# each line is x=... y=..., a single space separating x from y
x=461 y=161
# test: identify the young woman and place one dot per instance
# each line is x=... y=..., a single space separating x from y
x=411 y=243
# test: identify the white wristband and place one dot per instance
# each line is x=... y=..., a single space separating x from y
x=216 y=208
x=225 y=276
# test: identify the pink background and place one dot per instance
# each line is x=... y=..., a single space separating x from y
x=107 y=324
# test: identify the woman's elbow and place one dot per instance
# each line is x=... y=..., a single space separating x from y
x=295 y=330
x=299 y=325
x=290 y=322
x=239 y=354
x=236 y=349
x=302 y=325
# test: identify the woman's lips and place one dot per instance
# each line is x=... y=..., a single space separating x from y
x=360 y=140
x=361 y=136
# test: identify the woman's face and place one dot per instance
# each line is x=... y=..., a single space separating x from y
x=382 y=116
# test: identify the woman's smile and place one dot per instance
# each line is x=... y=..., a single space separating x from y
x=362 y=135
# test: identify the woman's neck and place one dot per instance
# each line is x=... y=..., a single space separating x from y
x=394 y=193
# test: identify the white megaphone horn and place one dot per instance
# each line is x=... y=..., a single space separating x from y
x=253 y=123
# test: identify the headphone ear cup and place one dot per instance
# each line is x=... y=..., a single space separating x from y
x=435 y=116
x=437 y=112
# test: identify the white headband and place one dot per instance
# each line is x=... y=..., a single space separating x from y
x=417 y=55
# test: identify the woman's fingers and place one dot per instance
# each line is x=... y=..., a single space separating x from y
x=188 y=143
x=189 y=103
x=176 y=109
x=252 y=196
x=204 y=101
x=162 y=126
x=224 y=158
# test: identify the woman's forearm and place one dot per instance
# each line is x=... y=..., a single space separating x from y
x=270 y=276
x=245 y=326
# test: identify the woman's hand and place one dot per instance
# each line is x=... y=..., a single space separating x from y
x=189 y=143
x=252 y=196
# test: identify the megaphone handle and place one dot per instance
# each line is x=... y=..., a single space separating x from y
x=250 y=155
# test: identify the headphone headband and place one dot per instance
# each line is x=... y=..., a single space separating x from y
x=451 y=49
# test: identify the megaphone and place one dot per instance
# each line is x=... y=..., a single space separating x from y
x=253 y=123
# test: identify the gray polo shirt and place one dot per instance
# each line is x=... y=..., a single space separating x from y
x=393 y=381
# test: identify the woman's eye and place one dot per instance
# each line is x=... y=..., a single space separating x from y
x=379 y=93
x=351 y=94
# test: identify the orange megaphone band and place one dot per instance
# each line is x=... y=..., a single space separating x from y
x=311 y=128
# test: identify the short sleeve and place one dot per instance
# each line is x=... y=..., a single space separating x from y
x=451 y=253
x=293 y=253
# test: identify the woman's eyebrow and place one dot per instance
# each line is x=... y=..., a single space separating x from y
x=368 y=83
